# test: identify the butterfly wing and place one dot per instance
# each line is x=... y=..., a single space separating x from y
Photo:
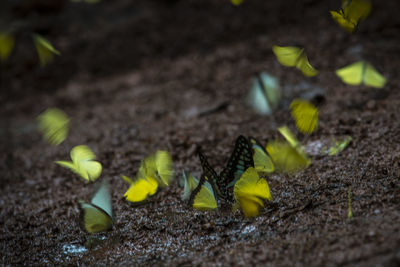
x=258 y=100
x=190 y=183
x=44 y=49
x=305 y=115
x=262 y=162
x=357 y=10
x=83 y=159
x=6 y=45
x=241 y=159
x=304 y=66
x=165 y=172
x=287 y=158
x=250 y=191
x=94 y=219
x=97 y=215
x=345 y=23
x=54 y=124
x=287 y=55
x=203 y=197
x=141 y=189
x=210 y=176
x=352 y=74
x=372 y=77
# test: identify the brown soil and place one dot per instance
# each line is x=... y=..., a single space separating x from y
x=137 y=76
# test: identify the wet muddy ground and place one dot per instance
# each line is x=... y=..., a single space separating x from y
x=137 y=76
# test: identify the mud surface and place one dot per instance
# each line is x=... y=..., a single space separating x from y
x=137 y=76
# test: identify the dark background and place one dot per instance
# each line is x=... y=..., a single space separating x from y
x=137 y=76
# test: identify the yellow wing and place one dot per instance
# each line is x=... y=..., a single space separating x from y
x=351 y=13
x=305 y=67
x=250 y=191
x=94 y=219
x=54 y=125
x=372 y=77
x=83 y=163
x=236 y=2
x=165 y=171
x=205 y=198
x=346 y=24
x=357 y=10
x=6 y=45
x=45 y=49
x=140 y=189
x=287 y=158
x=292 y=56
x=97 y=215
x=352 y=74
x=305 y=115
x=289 y=136
x=287 y=55
x=262 y=162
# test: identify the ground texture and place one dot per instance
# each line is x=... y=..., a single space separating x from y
x=137 y=76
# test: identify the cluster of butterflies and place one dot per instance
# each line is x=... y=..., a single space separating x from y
x=265 y=95
x=241 y=184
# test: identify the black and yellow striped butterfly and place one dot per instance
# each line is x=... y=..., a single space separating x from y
x=222 y=184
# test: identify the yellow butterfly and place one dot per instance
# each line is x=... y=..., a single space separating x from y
x=6 y=45
x=250 y=191
x=351 y=13
x=265 y=94
x=45 y=49
x=361 y=72
x=262 y=162
x=202 y=200
x=305 y=115
x=292 y=56
x=83 y=163
x=236 y=2
x=54 y=124
x=288 y=156
x=156 y=170
x=97 y=215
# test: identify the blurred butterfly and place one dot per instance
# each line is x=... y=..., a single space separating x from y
x=339 y=146
x=83 y=163
x=292 y=56
x=265 y=94
x=222 y=184
x=204 y=198
x=361 y=72
x=351 y=13
x=305 y=115
x=262 y=162
x=54 y=124
x=288 y=156
x=156 y=170
x=45 y=49
x=236 y=2
x=250 y=191
x=6 y=45
x=97 y=215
